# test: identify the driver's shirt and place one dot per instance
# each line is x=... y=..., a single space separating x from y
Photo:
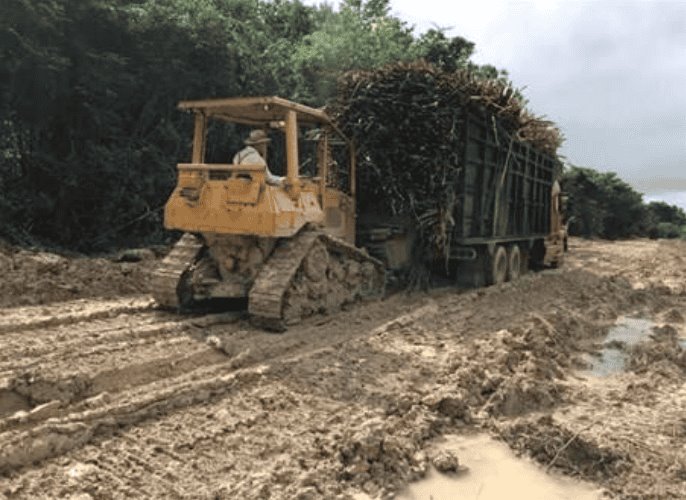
x=250 y=156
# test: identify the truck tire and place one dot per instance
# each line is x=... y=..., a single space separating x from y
x=498 y=268
x=514 y=263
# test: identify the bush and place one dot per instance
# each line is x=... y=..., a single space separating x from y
x=669 y=230
x=602 y=204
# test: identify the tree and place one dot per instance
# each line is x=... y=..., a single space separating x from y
x=601 y=204
x=665 y=220
x=449 y=54
x=361 y=36
x=664 y=212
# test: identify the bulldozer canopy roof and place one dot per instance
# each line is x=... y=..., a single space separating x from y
x=256 y=110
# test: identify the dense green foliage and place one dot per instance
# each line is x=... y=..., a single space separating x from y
x=666 y=221
x=601 y=204
x=89 y=131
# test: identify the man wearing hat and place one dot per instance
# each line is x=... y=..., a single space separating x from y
x=255 y=153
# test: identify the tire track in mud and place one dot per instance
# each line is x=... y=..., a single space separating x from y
x=66 y=364
x=64 y=313
x=67 y=385
x=28 y=437
x=23 y=350
x=166 y=383
x=108 y=392
x=55 y=362
x=56 y=436
x=313 y=373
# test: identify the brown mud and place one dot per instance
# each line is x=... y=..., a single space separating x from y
x=38 y=277
x=112 y=398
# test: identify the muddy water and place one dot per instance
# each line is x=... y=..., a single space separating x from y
x=491 y=471
x=627 y=332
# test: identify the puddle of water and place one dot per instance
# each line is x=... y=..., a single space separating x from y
x=629 y=331
x=494 y=472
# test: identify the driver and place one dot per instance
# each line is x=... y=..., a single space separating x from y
x=255 y=153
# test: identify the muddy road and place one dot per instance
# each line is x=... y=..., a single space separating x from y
x=110 y=398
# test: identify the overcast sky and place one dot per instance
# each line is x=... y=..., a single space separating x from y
x=611 y=74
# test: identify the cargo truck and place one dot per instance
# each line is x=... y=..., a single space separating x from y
x=508 y=215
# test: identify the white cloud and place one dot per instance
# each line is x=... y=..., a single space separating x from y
x=611 y=73
x=673 y=198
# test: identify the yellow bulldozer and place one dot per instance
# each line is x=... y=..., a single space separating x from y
x=286 y=244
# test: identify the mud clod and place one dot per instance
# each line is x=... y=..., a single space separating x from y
x=662 y=354
x=674 y=316
x=554 y=445
x=445 y=461
x=452 y=404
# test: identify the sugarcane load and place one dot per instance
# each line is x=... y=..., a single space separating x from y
x=456 y=178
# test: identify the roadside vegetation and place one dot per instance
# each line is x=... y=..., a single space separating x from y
x=90 y=133
x=600 y=204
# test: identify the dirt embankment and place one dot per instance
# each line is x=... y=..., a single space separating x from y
x=139 y=403
x=40 y=277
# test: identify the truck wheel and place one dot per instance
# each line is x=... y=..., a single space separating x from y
x=514 y=263
x=498 y=269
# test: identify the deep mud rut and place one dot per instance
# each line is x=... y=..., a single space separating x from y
x=114 y=399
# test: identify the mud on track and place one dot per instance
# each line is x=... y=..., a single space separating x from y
x=127 y=401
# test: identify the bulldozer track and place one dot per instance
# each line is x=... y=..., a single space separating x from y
x=267 y=297
x=167 y=278
x=274 y=283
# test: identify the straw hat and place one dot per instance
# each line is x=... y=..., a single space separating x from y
x=257 y=136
